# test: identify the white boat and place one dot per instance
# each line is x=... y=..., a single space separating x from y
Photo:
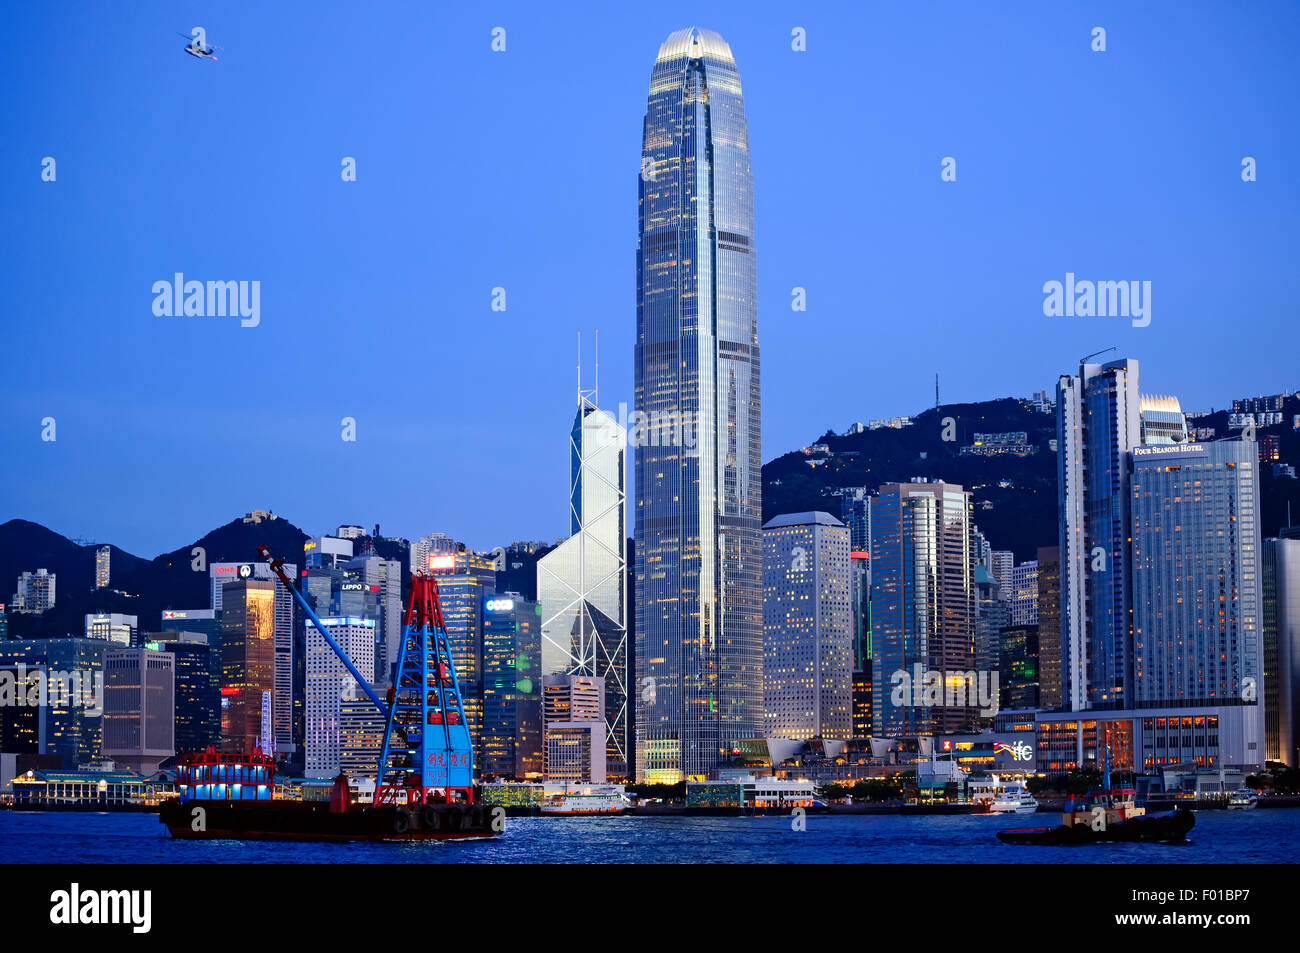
x=1013 y=798
x=585 y=800
x=1243 y=799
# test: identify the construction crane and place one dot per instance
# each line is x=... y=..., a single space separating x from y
x=426 y=756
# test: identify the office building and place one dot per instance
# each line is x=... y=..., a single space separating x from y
x=72 y=673
x=573 y=726
x=1282 y=648
x=1022 y=594
x=204 y=622
x=855 y=513
x=326 y=551
x=860 y=607
x=113 y=627
x=248 y=657
x=286 y=724
x=923 y=610
x=581 y=583
x=197 y=697
x=1018 y=667
x=512 y=688
x=139 y=707
x=1002 y=564
x=992 y=613
x=862 y=703
x=381 y=581
x=361 y=728
x=1049 y=627
x=807 y=628
x=466 y=581
x=329 y=684
x=698 y=505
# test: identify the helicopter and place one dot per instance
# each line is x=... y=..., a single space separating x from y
x=198 y=48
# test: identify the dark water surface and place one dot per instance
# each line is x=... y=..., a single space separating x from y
x=1234 y=837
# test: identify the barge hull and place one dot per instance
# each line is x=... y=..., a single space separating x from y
x=315 y=821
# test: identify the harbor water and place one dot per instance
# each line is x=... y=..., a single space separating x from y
x=1219 y=837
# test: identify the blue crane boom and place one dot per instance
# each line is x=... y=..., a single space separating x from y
x=277 y=567
x=427 y=755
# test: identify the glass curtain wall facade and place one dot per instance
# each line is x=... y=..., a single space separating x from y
x=1098 y=422
x=923 y=607
x=581 y=583
x=698 y=510
x=247 y=660
x=1196 y=575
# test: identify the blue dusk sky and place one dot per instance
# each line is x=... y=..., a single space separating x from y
x=479 y=169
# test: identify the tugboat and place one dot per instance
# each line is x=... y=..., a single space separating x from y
x=1106 y=814
x=424 y=788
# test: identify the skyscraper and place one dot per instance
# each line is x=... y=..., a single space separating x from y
x=512 y=688
x=196 y=698
x=139 y=707
x=1282 y=648
x=581 y=582
x=247 y=659
x=1049 y=627
x=807 y=628
x=1196 y=575
x=923 y=608
x=1100 y=418
x=71 y=724
x=329 y=685
x=698 y=493
x=383 y=579
x=287 y=730
x=466 y=580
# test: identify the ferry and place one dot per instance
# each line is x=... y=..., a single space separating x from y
x=584 y=801
x=1013 y=798
x=1243 y=799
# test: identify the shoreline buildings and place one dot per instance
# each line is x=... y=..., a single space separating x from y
x=698 y=512
x=1160 y=580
